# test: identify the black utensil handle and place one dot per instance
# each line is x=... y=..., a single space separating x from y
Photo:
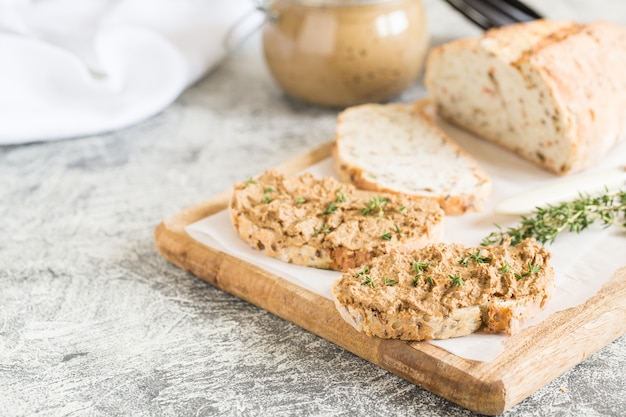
x=494 y=13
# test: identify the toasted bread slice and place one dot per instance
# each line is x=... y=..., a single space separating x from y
x=446 y=290
x=327 y=224
x=397 y=148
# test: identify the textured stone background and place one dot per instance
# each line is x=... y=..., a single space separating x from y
x=94 y=322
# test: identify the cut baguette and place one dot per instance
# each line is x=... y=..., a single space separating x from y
x=552 y=92
x=443 y=291
x=325 y=224
x=397 y=148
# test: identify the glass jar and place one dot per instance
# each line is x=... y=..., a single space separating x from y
x=344 y=52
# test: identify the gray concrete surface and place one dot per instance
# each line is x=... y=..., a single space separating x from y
x=93 y=322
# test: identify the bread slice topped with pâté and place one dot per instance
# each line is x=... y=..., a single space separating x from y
x=324 y=223
x=397 y=148
x=446 y=290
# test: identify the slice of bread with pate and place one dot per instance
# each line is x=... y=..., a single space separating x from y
x=446 y=290
x=397 y=148
x=553 y=92
x=326 y=224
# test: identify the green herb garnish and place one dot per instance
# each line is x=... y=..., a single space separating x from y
x=386 y=236
x=331 y=208
x=367 y=280
x=456 y=280
x=324 y=230
x=300 y=200
x=477 y=257
x=419 y=267
x=389 y=282
x=364 y=278
x=375 y=206
x=506 y=268
x=574 y=216
x=532 y=269
x=341 y=197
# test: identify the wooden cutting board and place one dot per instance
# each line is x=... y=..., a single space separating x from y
x=531 y=359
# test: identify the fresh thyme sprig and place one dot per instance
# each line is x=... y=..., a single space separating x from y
x=341 y=197
x=477 y=257
x=389 y=282
x=532 y=269
x=322 y=230
x=331 y=208
x=506 y=268
x=418 y=268
x=456 y=280
x=574 y=216
x=364 y=277
x=375 y=206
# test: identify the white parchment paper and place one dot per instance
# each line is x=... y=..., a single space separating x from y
x=583 y=262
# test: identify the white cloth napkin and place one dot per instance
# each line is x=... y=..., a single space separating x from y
x=80 y=67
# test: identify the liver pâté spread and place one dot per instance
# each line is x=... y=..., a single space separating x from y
x=327 y=224
x=446 y=290
x=345 y=52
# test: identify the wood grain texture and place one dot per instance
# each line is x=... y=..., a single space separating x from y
x=532 y=358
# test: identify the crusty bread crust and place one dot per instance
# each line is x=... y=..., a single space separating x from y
x=452 y=295
x=326 y=224
x=411 y=325
x=417 y=159
x=549 y=91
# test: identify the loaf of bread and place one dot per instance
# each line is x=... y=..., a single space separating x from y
x=325 y=224
x=397 y=148
x=553 y=92
x=446 y=290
